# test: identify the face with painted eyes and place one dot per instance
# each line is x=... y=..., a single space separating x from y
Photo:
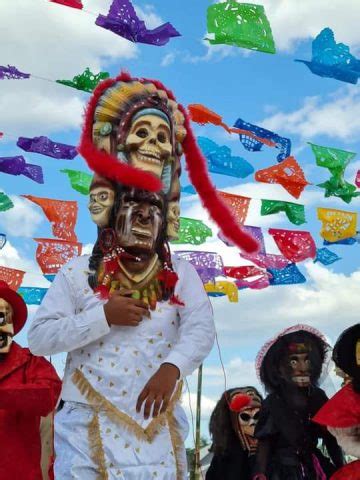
x=297 y=365
x=149 y=143
x=100 y=204
x=139 y=221
x=6 y=326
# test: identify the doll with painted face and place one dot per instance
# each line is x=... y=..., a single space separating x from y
x=29 y=389
x=290 y=367
x=232 y=426
x=341 y=414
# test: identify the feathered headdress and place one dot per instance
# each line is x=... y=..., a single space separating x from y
x=107 y=121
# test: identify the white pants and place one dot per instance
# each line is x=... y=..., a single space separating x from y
x=126 y=457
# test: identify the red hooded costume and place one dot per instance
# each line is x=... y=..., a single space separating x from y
x=29 y=389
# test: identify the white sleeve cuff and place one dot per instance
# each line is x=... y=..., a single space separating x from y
x=96 y=323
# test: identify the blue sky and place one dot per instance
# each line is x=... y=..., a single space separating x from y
x=53 y=42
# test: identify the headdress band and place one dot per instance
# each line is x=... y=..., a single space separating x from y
x=151 y=111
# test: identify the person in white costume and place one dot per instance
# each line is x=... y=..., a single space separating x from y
x=133 y=319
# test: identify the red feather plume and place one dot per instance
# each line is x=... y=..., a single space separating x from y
x=108 y=166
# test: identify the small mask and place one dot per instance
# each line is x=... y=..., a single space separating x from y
x=297 y=365
x=149 y=144
x=245 y=420
x=6 y=326
x=173 y=220
x=139 y=221
x=100 y=205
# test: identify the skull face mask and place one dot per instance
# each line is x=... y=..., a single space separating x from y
x=245 y=420
x=149 y=142
x=173 y=220
x=6 y=326
x=139 y=221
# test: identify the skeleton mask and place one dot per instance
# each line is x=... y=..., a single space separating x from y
x=6 y=326
x=245 y=420
x=100 y=205
x=149 y=142
x=139 y=221
x=173 y=220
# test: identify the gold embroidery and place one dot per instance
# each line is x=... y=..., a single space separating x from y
x=177 y=445
x=98 y=401
x=96 y=447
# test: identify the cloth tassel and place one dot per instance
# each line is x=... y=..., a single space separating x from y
x=96 y=447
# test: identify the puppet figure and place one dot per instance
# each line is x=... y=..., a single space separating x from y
x=341 y=414
x=232 y=426
x=134 y=320
x=29 y=389
x=290 y=367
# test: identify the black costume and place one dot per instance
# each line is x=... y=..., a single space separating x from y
x=289 y=439
x=290 y=367
x=235 y=464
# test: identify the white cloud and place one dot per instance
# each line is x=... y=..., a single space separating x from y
x=328 y=301
x=64 y=41
x=168 y=59
x=292 y=21
x=87 y=249
x=149 y=16
x=12 y=258
x=213 y=53
x=337 y=116
x=22 y=220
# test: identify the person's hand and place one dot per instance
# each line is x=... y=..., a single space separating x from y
x=259 y=476
x=122 y=310
x=158 y=390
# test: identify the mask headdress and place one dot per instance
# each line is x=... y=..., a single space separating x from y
x=114 y=108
